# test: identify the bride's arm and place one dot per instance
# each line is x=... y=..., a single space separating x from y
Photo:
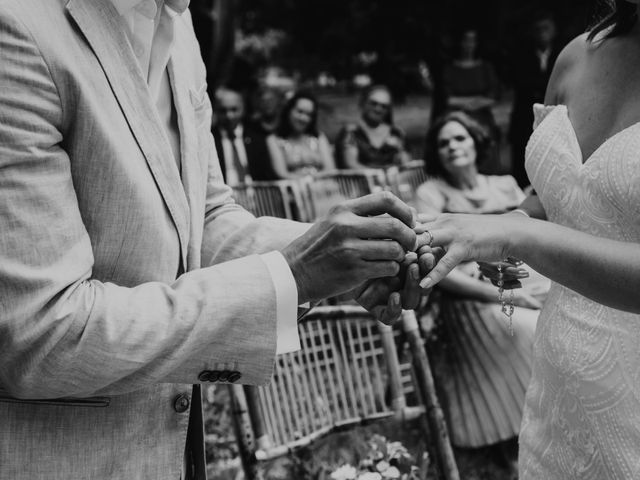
x=532 y=207
x=606 y=271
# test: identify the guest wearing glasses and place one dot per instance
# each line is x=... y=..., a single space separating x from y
x=374 y=142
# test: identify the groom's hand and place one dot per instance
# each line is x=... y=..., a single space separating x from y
x=351 y=245
x=387 y=297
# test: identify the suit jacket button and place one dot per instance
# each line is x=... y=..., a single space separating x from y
x=224 y=376
x=234 y=377
x=181 y=403
x=203 y=376
x=213 y=376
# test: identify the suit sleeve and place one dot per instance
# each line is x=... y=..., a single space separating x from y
x=64 y=333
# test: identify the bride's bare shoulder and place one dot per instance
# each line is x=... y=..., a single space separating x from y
x=570 y=60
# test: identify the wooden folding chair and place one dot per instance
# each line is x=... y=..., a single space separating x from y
x=314 y=390
x=347 y=372
x=405 y=179
x=327 y=189
x=279 y=198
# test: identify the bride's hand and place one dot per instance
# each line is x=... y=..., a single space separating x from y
x=508 y=270
x=522 y=298
x=467 y=238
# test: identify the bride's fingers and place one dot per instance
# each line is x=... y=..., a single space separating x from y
x=447 y=263
x=509 y=272
x=424 y=218
x=438 y=235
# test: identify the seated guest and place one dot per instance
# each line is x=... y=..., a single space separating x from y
x=298 y=148
x=481 y=370
x=241 y=147
x=267 y=103
x=374 y=142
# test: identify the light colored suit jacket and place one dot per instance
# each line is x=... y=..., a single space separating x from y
x=98 y=335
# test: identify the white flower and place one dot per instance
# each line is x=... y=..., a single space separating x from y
x=382 y=466
x=391 y=473
x=345 y=472
x=370 y=476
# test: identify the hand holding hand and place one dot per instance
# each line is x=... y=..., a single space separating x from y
x=387 y=297
x=352 y=245
x=468 y=237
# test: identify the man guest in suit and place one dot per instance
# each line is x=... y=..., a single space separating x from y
x=242 y=148
x=530 y=70
x=127 y=272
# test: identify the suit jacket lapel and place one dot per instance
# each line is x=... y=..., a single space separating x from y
x=102 y=27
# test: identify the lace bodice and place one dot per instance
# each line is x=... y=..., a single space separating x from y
x=600 y=195
x=582 y=413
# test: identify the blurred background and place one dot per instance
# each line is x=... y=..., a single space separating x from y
x=338 y=47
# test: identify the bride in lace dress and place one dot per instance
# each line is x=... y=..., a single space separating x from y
x=582 y=408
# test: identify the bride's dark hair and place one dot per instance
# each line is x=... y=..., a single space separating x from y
x=621 y=16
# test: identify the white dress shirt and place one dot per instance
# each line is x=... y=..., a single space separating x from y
x=150 y=33
x=233 y=177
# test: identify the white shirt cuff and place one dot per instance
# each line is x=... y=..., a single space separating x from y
x=287 y=339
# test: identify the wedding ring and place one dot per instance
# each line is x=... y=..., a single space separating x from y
x=430 y=237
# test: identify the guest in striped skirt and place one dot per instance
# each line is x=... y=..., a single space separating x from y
x=482 y=371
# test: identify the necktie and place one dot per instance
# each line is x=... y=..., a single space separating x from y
x=237 y=164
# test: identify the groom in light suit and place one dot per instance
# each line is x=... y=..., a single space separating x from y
x=127 y=273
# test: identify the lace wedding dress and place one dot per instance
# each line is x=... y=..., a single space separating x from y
x=582 y=411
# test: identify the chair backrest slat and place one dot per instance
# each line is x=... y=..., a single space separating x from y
x=340 y=376
x=279 y=198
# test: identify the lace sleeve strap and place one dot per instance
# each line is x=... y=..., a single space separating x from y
x=540 y=112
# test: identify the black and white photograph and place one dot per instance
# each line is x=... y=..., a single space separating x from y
x=319 y=240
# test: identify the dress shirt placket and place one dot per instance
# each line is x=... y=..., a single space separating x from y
x=142 y=26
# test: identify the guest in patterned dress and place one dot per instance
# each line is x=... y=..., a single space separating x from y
x=298 y=148
x=374 y=142
x=482 y=371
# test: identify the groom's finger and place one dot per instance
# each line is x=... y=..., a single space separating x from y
x=385 y=227
x=381 y=203
x=411 y=293
x=379 y=250
x=376 y=292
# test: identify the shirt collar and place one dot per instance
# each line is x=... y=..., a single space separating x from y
x=125 y=6
x=178 y=6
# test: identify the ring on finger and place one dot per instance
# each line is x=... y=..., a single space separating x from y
x=430 y=241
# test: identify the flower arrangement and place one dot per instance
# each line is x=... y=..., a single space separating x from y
x=384 y=461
